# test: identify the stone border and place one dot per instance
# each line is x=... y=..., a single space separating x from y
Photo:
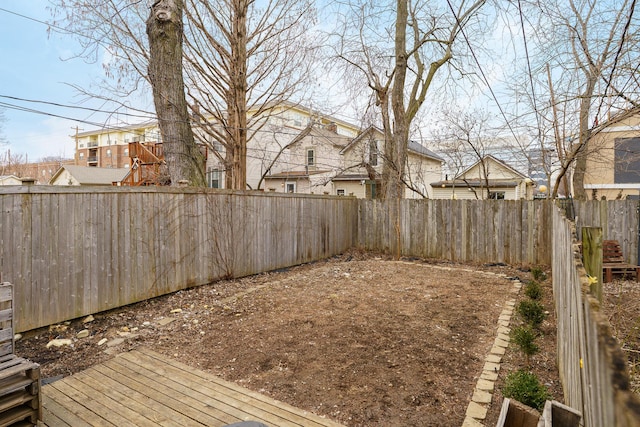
x=483 y=393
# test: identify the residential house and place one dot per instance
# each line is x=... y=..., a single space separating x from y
x=489 y=178
x=10 y=180
x=292 y=149
x=324 y=162
x=272 y=131
x=87 y=175
x=613 y=162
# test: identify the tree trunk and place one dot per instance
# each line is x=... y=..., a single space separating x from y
x=237 y=107
x=396 y=141
x=584 y=137
x=164 y=29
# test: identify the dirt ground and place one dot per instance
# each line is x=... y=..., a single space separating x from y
x=621 y=302
x=359 y=338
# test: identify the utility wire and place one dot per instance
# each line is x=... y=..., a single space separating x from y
x=77 y=107
x=533 y=90
x=618 y=52
x=484 y=76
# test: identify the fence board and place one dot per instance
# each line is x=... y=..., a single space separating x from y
x=461 y=230
x=591 y=364
x=75 y=251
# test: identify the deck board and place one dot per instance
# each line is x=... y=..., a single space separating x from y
x=145 y=388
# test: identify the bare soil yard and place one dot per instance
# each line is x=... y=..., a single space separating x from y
x=359 y=338
x=621 y=302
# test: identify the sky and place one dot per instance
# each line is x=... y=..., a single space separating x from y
x=36 y=67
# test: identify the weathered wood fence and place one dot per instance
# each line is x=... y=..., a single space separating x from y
x=618 y=220
x=75 y=251
x=592 y=366
x=481 y=231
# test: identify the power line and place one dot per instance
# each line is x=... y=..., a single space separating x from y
x=618 y=52
x=526 y=51
x=76 y=107
x=484 y=76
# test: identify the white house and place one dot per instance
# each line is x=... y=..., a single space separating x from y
x=88 y=175
x=488 y=178
x=323 y=161
x=10 y=180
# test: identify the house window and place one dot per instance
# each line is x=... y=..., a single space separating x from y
x=126 y=151
x=217 y=146
x=109 y=152
x=340 y=192
x=373 y=152
x=215 y=178
x=82 y=155
x=496 y=195
x=627 y=160
x=290 y=187
x=311 y=157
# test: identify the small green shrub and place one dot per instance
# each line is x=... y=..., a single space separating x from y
x=533 y=290
x=524 y=337
x=525 y=387
x=532 y=312
x=538 y=274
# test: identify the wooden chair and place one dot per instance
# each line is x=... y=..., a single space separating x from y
x=20 y=401
x=613 y=262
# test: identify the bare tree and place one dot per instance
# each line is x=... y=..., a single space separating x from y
x=241 y=58
x=424 y=41
x=14 y=164
x=184 y=160
x=260 y=55
x=466 y=138
x=583 y=74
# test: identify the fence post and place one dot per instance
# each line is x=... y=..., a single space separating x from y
x=592 y=255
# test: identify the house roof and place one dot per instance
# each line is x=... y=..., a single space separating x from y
x=418 y=148
x=494 y=159
x=351 y=177
x=474 y=183
x=330 y=136
x=294 y=174
x=358 y=138
x=87 y=175
x=413 y=146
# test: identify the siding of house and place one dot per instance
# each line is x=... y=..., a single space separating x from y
x=599 y=178
x=463 y=193
x=65 y=178
x=422 y=171
x=10 y=180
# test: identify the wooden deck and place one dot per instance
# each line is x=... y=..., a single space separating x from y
x=144 y=388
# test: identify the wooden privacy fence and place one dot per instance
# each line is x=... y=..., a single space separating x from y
x=592 y=366
x=509 y=231
x=73 y=251
x=618 y=220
